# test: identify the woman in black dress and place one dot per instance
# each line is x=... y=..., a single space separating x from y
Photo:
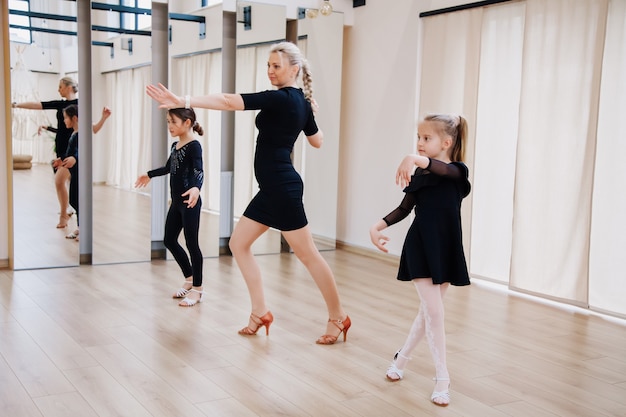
x=285 y=112
x=432 y=255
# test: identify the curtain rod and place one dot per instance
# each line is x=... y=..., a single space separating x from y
x=461 y=7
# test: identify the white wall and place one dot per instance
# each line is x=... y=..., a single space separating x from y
x=378 y=111
x=379 y=114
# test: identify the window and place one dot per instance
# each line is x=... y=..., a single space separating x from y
x=129 y=21
x=135 y=21
x=15 y=34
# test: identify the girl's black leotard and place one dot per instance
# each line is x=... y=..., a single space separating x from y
x=185 y=168
x=186 y=171
x=284 y=114
x=63 y=133
x=433 y=247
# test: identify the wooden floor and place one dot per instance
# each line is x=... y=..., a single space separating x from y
x=121 y=226
x=108 y=341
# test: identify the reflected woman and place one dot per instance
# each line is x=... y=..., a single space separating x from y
x=284 y=113
x=68 y=89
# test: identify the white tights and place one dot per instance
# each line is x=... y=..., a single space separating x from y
x=430 y=323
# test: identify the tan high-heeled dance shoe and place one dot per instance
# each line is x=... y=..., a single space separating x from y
x=342 y=325
x=265 y=320
x=63 y=221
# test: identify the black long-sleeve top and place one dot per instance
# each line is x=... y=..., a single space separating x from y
x=185 y=168
x=455 y=171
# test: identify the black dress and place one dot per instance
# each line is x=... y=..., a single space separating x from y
x=284 y=114
x=63 y=132
x=433 y=246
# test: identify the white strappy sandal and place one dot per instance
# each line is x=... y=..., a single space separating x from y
x=182 y=291
x=443 y=396
x=188 y=302
x=393 y=372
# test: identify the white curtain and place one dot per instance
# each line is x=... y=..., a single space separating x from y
x=26 y=86
x=547 y=204
x=251 y=77
x=199 y=75
x=560 y=78
x=607 y=287
x=496 y=140
x=451 y=51
x=128 y=152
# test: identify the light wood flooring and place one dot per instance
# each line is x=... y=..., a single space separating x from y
x=121 y=226
x=108 y=341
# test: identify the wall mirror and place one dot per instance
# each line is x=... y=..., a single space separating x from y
x=121 y=214
x=195 y=67
x=36 y=68
x=321 y=41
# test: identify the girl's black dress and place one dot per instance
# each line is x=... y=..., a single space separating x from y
x=284 y=114
x=434 y=245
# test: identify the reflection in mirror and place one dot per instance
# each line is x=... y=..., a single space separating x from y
x=121 y=213
x=36 y=71
x=268 y=26
x=196 y=68
x=123 y=232
x=321 y=41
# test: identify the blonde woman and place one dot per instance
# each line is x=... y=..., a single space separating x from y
x=284 y=113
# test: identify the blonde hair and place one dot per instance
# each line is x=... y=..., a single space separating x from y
x=456 y=128
x=69 y=81
x=295 y=57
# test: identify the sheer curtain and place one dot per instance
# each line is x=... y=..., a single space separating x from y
x=198 y=75
x=563 y=43
x=607 y=288
x=496 y=140
x=450 y=55
x=128 y=151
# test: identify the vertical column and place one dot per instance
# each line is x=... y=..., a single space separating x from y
x=229 y=54
x=160 y=74
x=85 y=173
x=7 y=255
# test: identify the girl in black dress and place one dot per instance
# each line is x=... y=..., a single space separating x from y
x=285 y=112
x=186 y=177
x=432 y=255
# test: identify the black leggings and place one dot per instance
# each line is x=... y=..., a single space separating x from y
x=179 y=217
x=74 y=191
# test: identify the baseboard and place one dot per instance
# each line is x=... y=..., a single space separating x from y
x=370 y=253
x=4 y=264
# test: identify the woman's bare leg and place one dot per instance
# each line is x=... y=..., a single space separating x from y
x=301 y=241
x=61 y=178
x=245 y=233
